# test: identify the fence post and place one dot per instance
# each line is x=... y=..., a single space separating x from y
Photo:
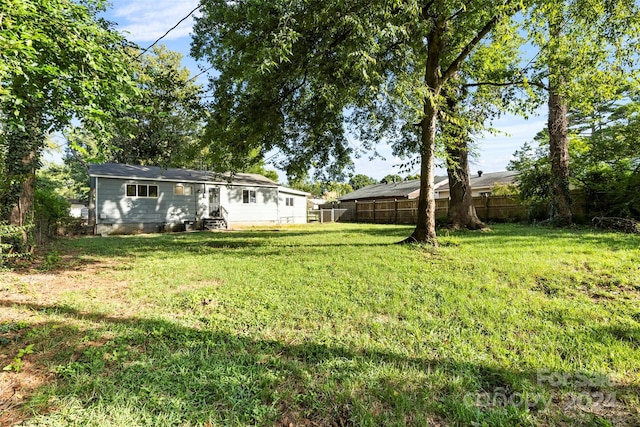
x=355 y=211
x=374 y=211
x=395 y=216
x=486 y=207
x=321 y=216
x=333 y=215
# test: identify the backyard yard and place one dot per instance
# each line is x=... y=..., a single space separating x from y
x=324 y=325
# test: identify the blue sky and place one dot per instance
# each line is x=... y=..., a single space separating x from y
x=144 y=21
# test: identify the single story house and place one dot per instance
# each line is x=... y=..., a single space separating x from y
x=392 y=191
x=481 y=184
x=133 y=198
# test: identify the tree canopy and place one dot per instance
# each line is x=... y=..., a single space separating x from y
x=58 y=62
x=164 y=127
x=301 y=77
x=360 y=180
x=587 y=50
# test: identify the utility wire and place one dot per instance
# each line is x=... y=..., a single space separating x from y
x=199 y=74
x=169 y=30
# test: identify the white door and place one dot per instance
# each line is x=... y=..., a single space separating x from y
x=214 y=201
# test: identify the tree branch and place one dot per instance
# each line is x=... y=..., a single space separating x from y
x=455 y=65
x=503 y=84
x=80 y=160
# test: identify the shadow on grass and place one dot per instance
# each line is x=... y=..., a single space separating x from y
x=267 y=243
x=514 y=235
x=153 y=371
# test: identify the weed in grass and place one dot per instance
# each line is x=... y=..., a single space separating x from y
x=51 y=260
x=16 y=364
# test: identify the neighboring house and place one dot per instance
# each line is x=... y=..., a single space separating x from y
x=481 y=184
x=392 y=191
x=130 y=198
x=315 y=203
x=78 y=209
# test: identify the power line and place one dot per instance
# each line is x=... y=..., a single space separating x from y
x=169 y=30
x=199 y=74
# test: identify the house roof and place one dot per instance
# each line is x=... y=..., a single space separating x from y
x=124 y=171
x=486 y=180
x=287 y=190
x=402 y=189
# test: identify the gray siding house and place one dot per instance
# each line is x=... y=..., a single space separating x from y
x=132 y=198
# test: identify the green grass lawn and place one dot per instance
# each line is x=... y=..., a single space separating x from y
x=327 y=325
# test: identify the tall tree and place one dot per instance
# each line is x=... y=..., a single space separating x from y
x=461 y=212
x=360 y=180
x=587 y=49
x=485 y=86
x=391 y=178
x=58 y=62
x=165 y=126
x=297 y=75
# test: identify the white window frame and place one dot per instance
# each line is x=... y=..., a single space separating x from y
x=183 y=189
x=288 y=201
x=248 y=200
x=137 y=187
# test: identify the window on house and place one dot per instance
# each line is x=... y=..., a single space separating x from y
x=248 y=196
x=289 y=201
x=182 y=190
x=141 y=190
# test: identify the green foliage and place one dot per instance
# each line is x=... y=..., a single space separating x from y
x=505 y=189
x=16 y=364
x=303 y=77
x=260 y=169
x=13 y=242
x=58 y=62
x=391 y=178
x=605 y=165
x=359 y=180
x=329 y=190
x=50 y=207
x=534 y=178
x=585 y=48
x=164 y=126
x=586 y=53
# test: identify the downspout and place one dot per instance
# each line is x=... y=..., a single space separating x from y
x=278 y=204
x=94 y=199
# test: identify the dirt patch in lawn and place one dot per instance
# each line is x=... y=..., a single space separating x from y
x=36 y=332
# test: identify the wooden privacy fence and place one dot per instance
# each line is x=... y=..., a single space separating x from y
x=403 y=211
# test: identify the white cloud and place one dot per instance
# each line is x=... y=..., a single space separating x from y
x=146 y=21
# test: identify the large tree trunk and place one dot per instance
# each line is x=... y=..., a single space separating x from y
x=425 y=231
x=22 y=211
x=561 y=214
x=21 y=162
x=558 y=128
x=462 y=212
